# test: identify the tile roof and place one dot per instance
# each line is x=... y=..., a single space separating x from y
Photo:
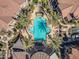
x=3 y=25
x=6 y=19
x=65 y=1
x=8 y=9
x=65 y=7
x=19 y=1
x=75 y=54
x=65 y=12
x=76 y=13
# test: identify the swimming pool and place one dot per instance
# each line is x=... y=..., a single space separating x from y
x=40 y=29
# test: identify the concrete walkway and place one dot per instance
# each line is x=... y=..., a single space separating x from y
x=54 y=56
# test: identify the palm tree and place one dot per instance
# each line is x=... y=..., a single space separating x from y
x=23 y=24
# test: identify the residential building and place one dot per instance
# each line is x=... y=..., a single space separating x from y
x=74 y=54
x=18 y=51
x=69 y=8
x=8 y=10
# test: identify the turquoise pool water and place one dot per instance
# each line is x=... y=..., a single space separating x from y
x=40 y=29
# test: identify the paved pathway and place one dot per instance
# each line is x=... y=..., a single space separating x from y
x=54 y=56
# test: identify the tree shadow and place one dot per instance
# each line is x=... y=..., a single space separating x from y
x=67 y=45
x=55 y=6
